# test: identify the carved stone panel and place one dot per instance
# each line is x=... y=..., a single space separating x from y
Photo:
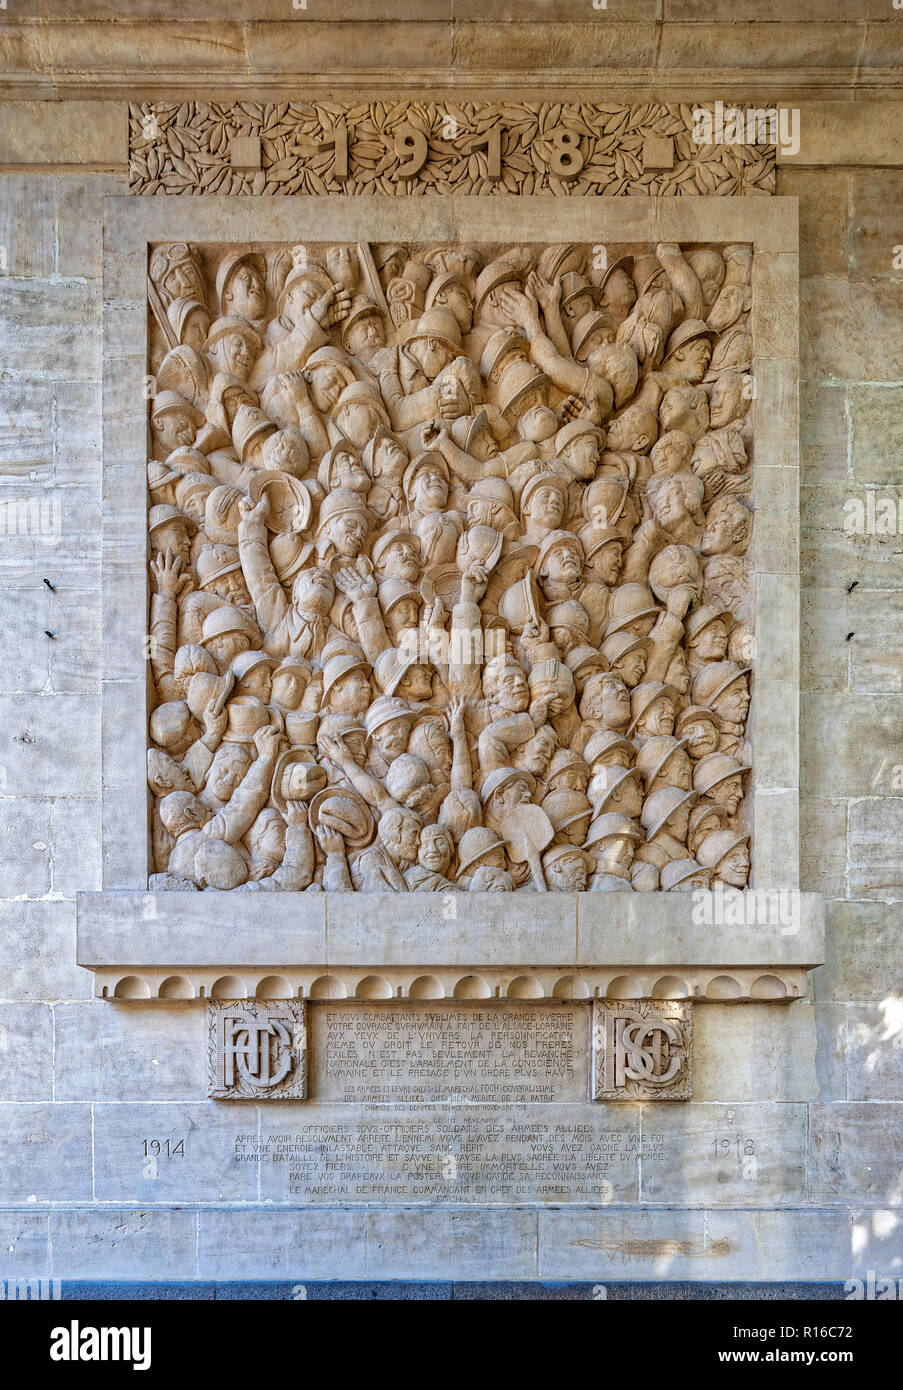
x=256 y=1050
x=449 y=571
x=569 y=149
x=642 y=1050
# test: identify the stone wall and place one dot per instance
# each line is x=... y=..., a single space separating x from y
x=84 y=1084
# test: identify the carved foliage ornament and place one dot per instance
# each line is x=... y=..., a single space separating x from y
x=569 y=149
x=449 y=574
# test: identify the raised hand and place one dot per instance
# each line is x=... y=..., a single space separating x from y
x=167 y=575
x=332 y=307
x=254 y=511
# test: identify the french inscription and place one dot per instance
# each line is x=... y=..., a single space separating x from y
x=472 y=1154
x=454 y=1053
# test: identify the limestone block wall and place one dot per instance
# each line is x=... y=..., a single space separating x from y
x=84 y=1083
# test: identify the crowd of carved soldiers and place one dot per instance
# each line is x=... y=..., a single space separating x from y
x=449 y=575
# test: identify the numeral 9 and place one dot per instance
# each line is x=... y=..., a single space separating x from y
x=415 y=145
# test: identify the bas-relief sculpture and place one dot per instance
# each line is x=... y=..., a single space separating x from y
x=448 y=567
x=570 y=149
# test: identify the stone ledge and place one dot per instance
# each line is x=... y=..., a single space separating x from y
x=442 y=946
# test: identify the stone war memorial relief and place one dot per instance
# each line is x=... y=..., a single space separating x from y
x=449 y=798
x=460 y=521
x=450 y=588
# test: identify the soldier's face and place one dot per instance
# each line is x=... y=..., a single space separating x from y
x=348 y=535
x=726 y=402
x=430 y=489
x=174 y=430
x=182 y=281
x=400 y=561
x=416 y=684
x=403 y=617
x=246 y=293
x=225 y=775
x=702 y=736
x=606 y=563
x=728 y=794
x=546 y=507
x=435 y=849
x=258 y=683
x=619 y=294
x=733 y=704
x=432 y=354
x=288 y=689
x=392 y=738
x=457 y=299
x=313 y=590
x=326 y=384
x=237 y=353
x=583 y=456
x=659 y=718
x=631 y=668
x=224 y=649
x=511 y=691
x=389 y=460
x=350 y=694
x=734 y=867
x=174 y=538
x=711 y=644
x=567 y=875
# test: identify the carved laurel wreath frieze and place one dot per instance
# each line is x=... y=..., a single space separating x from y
x=409 y=148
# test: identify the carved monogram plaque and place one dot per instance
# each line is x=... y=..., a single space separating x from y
x=256 y=1050
x=449 y=571
x=642 y=1050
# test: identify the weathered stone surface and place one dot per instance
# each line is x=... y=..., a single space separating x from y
x=824 y=430
x=24 y=1247
x=104 y=1244
x=876 y=647
x=807 y=1243
x=854 y=1153
x=851 y=332
x=103 y=1057
x=25 y=846
x=45 y=1153
x=862 y=940
x=876 y=434
x=40 y=728
x=92 y=133
x=823 y=846
x=824 y=196
x=876 y=846
x=26 y=1035
x=859 y=763
x=764 y=1053
x=27 y=225
x=37 y=952
x=75 y=839
x=876 y=1244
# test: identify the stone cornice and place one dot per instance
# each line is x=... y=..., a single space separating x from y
x=149 y=58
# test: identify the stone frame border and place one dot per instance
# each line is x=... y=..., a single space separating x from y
x=130 y=224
